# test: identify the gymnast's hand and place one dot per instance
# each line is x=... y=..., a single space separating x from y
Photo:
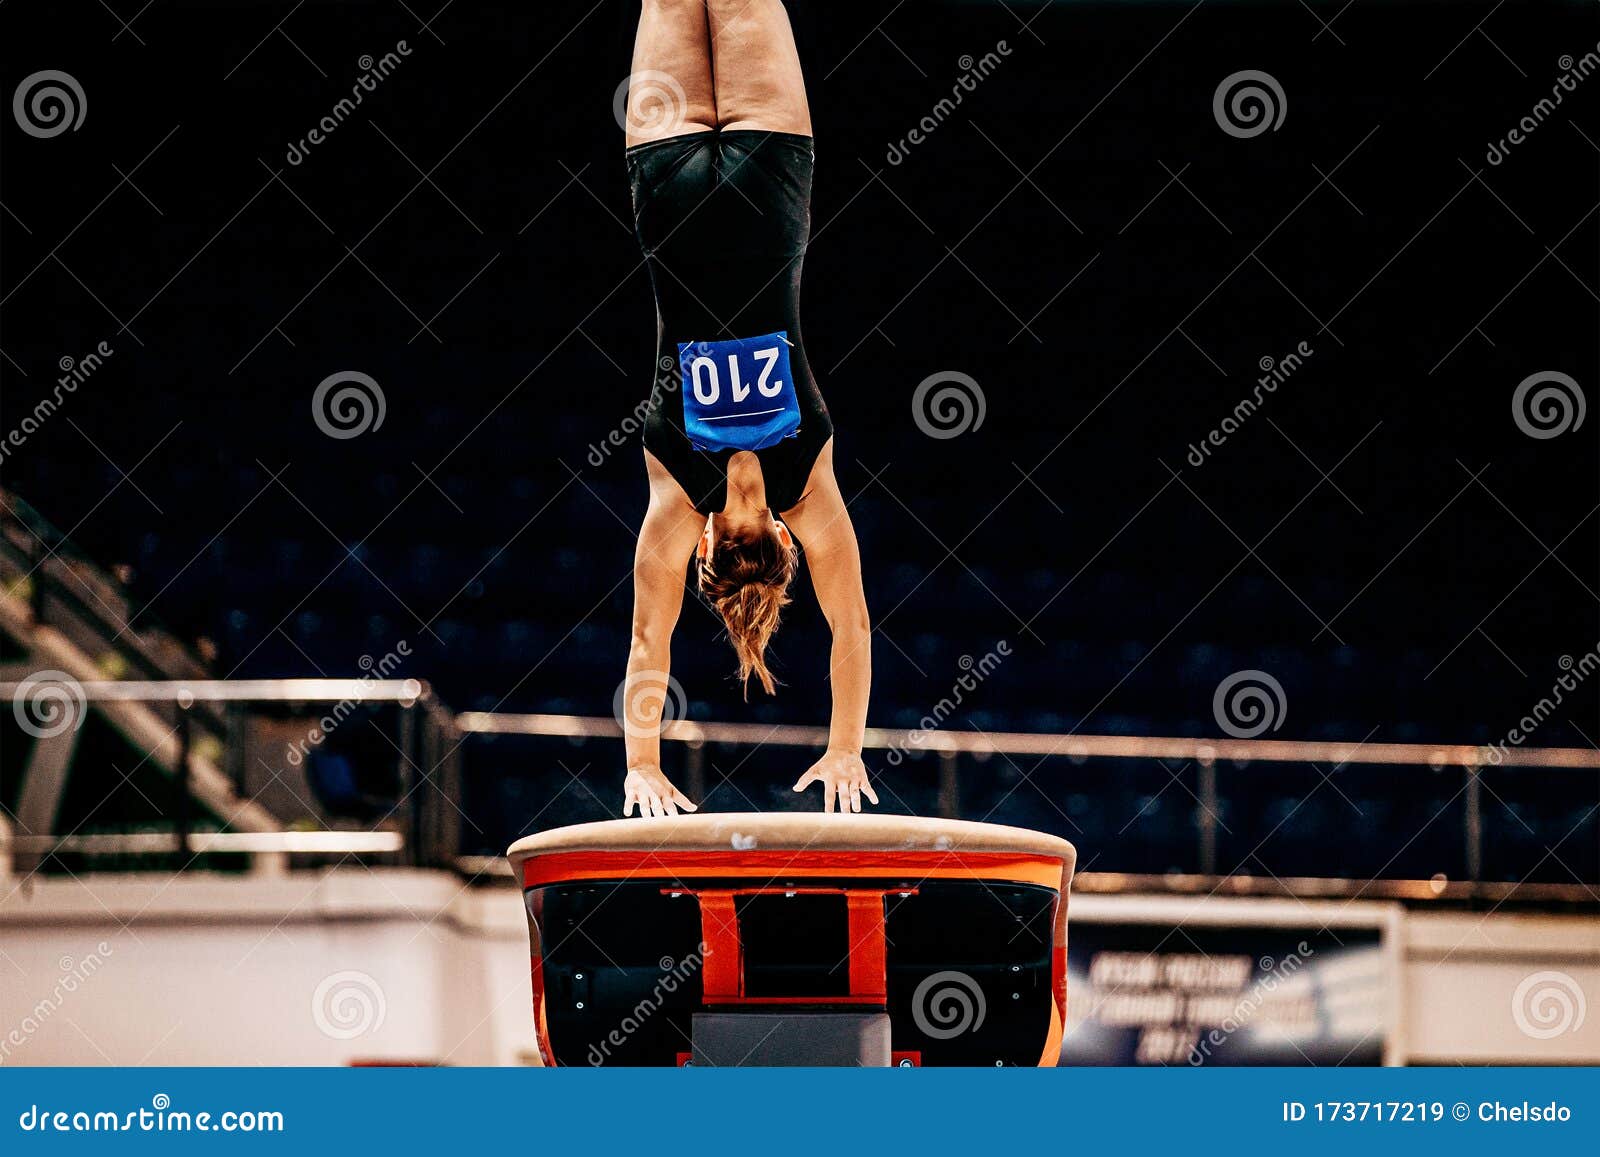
x=842 y=775
x=653 y=792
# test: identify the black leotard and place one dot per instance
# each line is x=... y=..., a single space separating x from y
x=724 y=218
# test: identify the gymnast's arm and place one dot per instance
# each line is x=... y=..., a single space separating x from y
x=666 y=540
x=822 y=524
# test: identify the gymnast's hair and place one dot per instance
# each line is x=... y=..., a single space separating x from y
x=746 y=578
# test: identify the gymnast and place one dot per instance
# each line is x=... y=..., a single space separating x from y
x=738 y=444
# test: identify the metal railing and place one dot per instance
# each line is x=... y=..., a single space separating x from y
x=423 y=746
x=428 y=737
x=1205 y=753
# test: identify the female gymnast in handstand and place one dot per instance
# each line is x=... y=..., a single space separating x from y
x=739 y=445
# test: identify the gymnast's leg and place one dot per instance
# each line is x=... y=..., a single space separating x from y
x=756 y=68
x=670 y=91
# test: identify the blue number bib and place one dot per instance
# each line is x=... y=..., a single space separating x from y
x=738 y=395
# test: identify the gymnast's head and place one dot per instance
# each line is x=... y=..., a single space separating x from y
x=744 y=569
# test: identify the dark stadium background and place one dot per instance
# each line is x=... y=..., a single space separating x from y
x=481 y=189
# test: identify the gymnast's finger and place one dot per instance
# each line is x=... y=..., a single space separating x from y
x=627 y=804
x=866 y=788
x=684 y=801
x=855 y=798
x=807 y=780
x=827 y=796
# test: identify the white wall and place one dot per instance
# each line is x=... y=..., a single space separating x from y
x=224 y=970
x=198 y=970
